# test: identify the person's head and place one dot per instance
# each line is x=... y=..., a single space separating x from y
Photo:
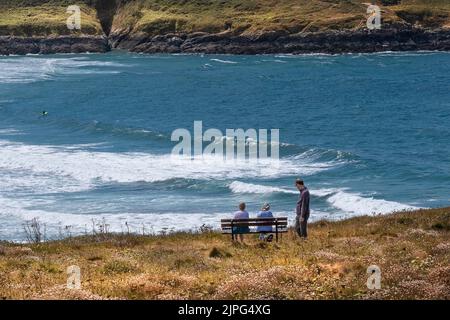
x=265 y=207
x=300 y=184
x=242 y=206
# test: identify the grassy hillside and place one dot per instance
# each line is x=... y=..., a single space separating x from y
x=253 y=16
x=48 y=17
x=43 y=18
x=428 y=13
x=412 y=249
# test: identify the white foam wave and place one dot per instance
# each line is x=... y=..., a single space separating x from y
x=87 y=168
x=23 y=181
x=242 y=187
x=31 y=69
x=274 y=60
x=294 y=56
x=224 y=61
x=350 y=203
x=404 y=53
x=15 y=213
x=10 y=131
x=356 y=204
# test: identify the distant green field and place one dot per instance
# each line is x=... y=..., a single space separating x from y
x=46 y=17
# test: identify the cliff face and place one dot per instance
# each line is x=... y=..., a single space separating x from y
x=274 y=26
x=215 y=26
x=271 y=42
x=52 y=44
x=106 y=10
x=40 y=26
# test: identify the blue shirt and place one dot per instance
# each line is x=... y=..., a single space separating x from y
x=241 y=215
x=264 y=214
x=238 y=215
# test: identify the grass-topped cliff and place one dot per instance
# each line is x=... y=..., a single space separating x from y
x=253 y=16
x=412 y=250
x=233 y=26
x=45 y=17
x=48 y=17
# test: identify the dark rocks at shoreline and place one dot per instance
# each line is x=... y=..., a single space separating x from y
x=333 y=42
x=273 y=42
x=10 y=45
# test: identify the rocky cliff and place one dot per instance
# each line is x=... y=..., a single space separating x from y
x=214 y=26
x=333 y=42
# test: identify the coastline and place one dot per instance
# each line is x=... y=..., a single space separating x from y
x=258 y=27
x=411 y=249
x=13 y=45
x=281 y=42
x=275 y=42
x=97 y=93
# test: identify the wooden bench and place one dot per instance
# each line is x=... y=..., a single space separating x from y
x=279 y=225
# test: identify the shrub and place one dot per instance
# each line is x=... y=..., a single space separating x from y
x=218 y=253
x=118 y=266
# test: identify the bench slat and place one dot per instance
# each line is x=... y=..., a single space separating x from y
x=255 y=219
x=253 y=224
x=254 y=231
x=281 y=223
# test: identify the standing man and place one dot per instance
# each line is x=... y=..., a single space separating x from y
x=302 y=210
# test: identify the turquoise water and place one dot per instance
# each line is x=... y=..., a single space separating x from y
x=368 y=133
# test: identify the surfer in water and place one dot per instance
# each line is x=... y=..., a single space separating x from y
x=44 y=113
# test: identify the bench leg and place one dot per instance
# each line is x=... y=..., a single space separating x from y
x=232 y=233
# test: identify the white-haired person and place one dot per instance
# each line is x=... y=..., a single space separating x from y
x=265 y=213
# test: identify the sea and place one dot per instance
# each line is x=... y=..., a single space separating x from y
x=368 y=133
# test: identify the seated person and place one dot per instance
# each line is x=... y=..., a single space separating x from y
x=241 y=214
x=265 y=213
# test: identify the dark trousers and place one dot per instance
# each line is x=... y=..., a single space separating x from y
x=301 y=227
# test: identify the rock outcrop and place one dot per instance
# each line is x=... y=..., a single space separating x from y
x=52 y=44
x=332 y=42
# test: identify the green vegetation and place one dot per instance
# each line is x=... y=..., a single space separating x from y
x=248 y=17
x=48 y=17
x=411 y=248
x=427 y=13
x=44 y=18
x=253 y=16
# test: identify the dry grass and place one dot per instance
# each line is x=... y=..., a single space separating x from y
x=254 y=16
x=412 y=250
x=45 y=19
x=248 y=17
